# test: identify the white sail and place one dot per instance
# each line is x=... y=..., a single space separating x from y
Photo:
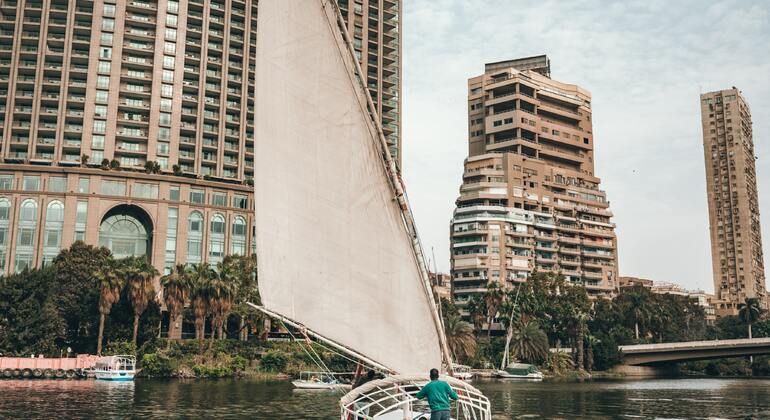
x=333 y=248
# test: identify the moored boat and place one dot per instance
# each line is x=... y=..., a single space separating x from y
x=115 y=368
x=462 y=372
x=319 y=380
x=520 y=371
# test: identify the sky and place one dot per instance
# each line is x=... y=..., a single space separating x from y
x=645 y=64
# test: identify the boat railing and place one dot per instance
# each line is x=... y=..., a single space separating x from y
x=397 y=394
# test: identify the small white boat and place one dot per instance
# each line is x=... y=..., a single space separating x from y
x=318 y=380
x=462 y=372
x=520 y=371
x=115 y=368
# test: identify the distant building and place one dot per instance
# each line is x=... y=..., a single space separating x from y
x=442 y=285
x=530 y=199
x=736 y=239
x=627 y=282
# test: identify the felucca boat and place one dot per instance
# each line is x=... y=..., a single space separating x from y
x=338 y=253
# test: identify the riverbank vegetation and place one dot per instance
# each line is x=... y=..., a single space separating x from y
x=547 y=313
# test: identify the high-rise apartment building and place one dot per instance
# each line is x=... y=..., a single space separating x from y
x=374 y=27
x=736 y=238
x=530 y=199
x=130 y=123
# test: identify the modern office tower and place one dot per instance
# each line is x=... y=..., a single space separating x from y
x=530 y=199
x=374 y=26
x=736 y=238
x=130 y=124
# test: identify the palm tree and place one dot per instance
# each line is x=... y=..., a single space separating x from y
x=749 y=312
x=140 y=275
x=591 y=341
x=477 y=310
x=638 y=300
x=200 y=276
x=529 y=342
x=460 y=337
x=579 y=320
x=110 y=283
x=176 y=291
x=222 y=289
x=493 y=298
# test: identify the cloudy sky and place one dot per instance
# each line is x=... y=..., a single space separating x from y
x=645 y=65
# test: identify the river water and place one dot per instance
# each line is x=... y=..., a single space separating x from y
x=629 y=399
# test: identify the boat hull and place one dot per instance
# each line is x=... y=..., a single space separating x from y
x=506 y=375
x=300 y=384
x=114 y=376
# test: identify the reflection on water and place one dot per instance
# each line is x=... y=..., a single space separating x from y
x=645 y=399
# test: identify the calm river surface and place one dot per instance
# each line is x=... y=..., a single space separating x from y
x=631 y=399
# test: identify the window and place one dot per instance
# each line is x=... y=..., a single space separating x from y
x=109 y=10
x=57 y=184
x=240 y=201
x=142 y=190
x=217 y=239
x=165 y=118
x=106 y=38
x=219 y=199
x=108 y=25
x=81 y=220
x=197 y=196
x=162 y=148
x=97 y=156
x=194 y=237
x=169 y=48
x=105 y=52
x=172 y=7
x=84 y=186
x=100 y=111
x=171 y=233
x=173 y=193
x=168 y=76
x=164 y=133
x=103 y=82
x=171 y=34
x=6 y=182
x=238 y=236
x=167 y=90
x=171 y=20
x=25 y=242
x=104 y=67
x=5 y=210
x=54 y=224
x=117 y=188
x=31 y=183
x=101 y=96
x=100 y=126
x=168 y=62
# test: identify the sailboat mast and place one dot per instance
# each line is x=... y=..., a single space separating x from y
x=395 y=183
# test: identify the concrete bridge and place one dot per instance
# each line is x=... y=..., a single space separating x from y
x=668 y=353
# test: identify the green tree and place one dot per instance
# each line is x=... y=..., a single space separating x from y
x=637 y=301
x=110 y=284
x=139 y=275
x=176 y=292
x=477 y=311
x=77 y=272
x=493 y=297
x=460 y=337
x=749 y=312
x=222 y=288
x=200 y=276
x=530 y=343
x=29 y=320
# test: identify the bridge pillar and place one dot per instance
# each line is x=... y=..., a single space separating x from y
x=660 y=371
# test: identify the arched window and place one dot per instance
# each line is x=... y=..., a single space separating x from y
x=124 y=235
x=194 y=237
x=25 y=241
x=238 y=236
x=54 y=224
x=5 y=213
x=217 y=239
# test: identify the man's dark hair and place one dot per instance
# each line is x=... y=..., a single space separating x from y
x=433 y=374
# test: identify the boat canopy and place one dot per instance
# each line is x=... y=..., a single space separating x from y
x=335 y=243
x=521 y=369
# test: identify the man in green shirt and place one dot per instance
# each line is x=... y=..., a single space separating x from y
x=438 y=394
